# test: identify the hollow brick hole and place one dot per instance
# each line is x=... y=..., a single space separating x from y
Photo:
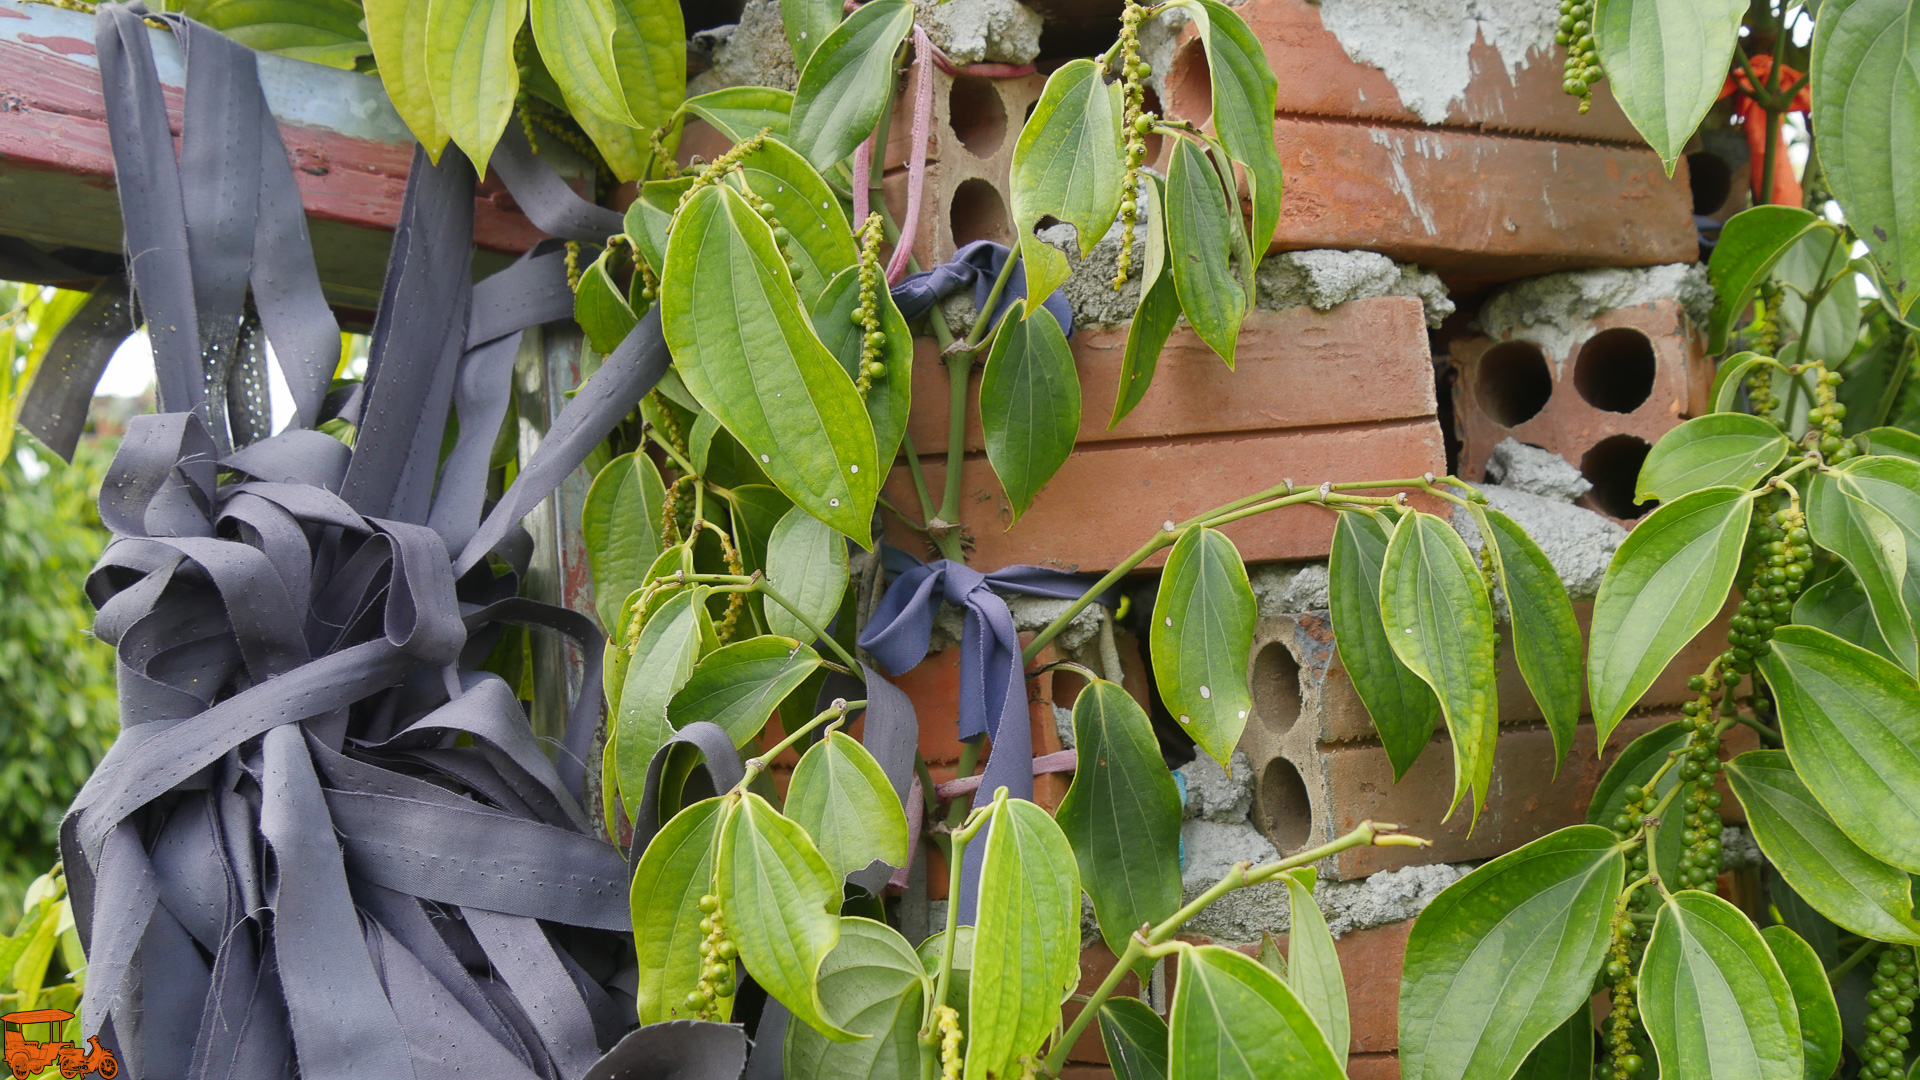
x=1067 y=686
x=977 y=115
x=1613 y=468
x=1281 y=806
x=1711 y=180
x=979 y=213
x=1615 y=369
x=1276 y=688
x=1512 y=382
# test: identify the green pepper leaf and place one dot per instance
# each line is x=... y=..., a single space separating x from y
x=847 y=81
x=1504 y=955
x=1566 y=1054
x=840 y=795
x=1634 y=768
x=1851 y=721
x=620 y=524
x=1401 y=704
x=1313 y=966
x=1715 y=450
x=600 y=309
x=807 y=563
x=1892 y=442
x=1730 y=378
x=960 y=971
x=1713 y=998
x=1750 y=243
x=1439 y=621
x=1067 y=164
x=781 y=904
x=651 y=61
x=1200 y=236
x=663 y=660
x=1667 y=581
x=741 y=112
x=1892 y=486
x=1159 y=309
x=1135 y=1039
x=1029 y=404
x=744 y=347
x=808 y=22
x=1866 y=538
x=1122 y=814
x=576 y=44
x=470 y=70
x=890 y=397
x=737 y=686
x=1026 y=945
x=1234 y=1020
x=1839 y=606
x=757 y=510
x=1203 y=621
x=397 y=32
x=807 y=208
x=1666 y=61
x=872 y=985
x=1820 y=1037
x=1245 y=96
x=673 y=873
x=1546 y=637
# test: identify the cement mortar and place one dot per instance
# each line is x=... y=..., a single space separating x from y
x=1089 y=288
x=1555 y=311
x=1422 y=45
x=1514 y=464
x=1324 y=279
x=753 y=52
x=1214 y=796
x=976 y=31
x=1578 y=542
x=1289 y=588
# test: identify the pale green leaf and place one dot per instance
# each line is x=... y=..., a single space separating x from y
x=871 y=984
x=1313 y=965
x=1026 y=945
x=847 y=81
x=1839 y=606
x=1715 y=450
x=620 y=524
x=1202 y=640
x=1666 y=61
x=1731 y=377
x=600 y=309
x=1067 y=165
x=808 y=209
x=1893 y=442
x=470 y=70
x=1635 y=767
x=1750 y=243
x=1820 y=1037
x=1234 y=1020
x=1713 y=998
x=807 y=563
x=651 y=58
x=1874 y=548
x=1891 y=485
x=1866 y=106
x=673 y=873
x=1029 y=404
x=576 y=44
x=840 y=795
x=397 y=32
x=738 y=686
x=741 y=112
x=663 y=659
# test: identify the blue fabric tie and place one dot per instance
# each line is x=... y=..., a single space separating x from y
x=976 y=264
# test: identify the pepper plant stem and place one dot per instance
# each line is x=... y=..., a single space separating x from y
x=758 y=764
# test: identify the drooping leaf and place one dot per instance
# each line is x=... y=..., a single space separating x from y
x=1667 y=581
x=1843 y=520
x=1401 y=704
x=1135 y=1039
x=1820 y=1038
x=1839 y=606
x=1546 y=638
x=1851 y=721
x=1750 y=243
x=1713 y=998
x=673 y=873
x=1731 y=377
x=890 y=398
x=651 y=62
x=1892 y=442
x=1026 y=945
x=807 y=563
x=1715 y=450
x=1866 y=102
x=1067 y=164
x=808 y=22
x=620 y=523
x=1566 y=1054
x=1234 y=1020
x=1634 y=768
x=1504 y=955
x=781 y=903
x=600 y=309
x=470 y=69
x=847 y=81
x=840 y=795
x=871 y=984
x=807 y=208
x=576 y=44
x=746 y=350
x=663 y=660
x=1122 y=814
x=738 y=686
x=1819 y=262
x=1313 y=966
x=1202 y=640
x=1029 y=404
x=1892 y=486
x=397 y=32
x=1439 y=622
x=646 y=225
x=1245 y=94
x=1159 y=309
x=1665 y=62
x=1200 y=239
x=741 y=112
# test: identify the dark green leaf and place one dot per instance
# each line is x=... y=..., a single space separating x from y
x=1234 y=1020
x=807 y=208
x=1203 y=621
x=1067 y=165
x=1402 y=706
x=1893 y=441
x=846 y=83
x=1567 y=1054
x=1665 y=62
x=1159 y=308
x=1839 y=606
x=871 y=984
x=600 y=309
x=673 y=873
x=747 y=351
x=737 y=686
x=1712 y=996
x=1812 y=998
x=1313 y=966
x=1546 y=638
x=1135 y=1039
x=1874 y=547
x=1026 y=946
x=1715 y=450
x=1245 y=94
x=845 y=802
x=890 y=398
x=1633 y=768
x=757 y=509
x=807 y=563
x=663 y=660
x=1200 y=239
x=1122 y=814
x=1439 y=621
x=620 y=524
x=1667 y=581
x=1029 y=404
x=1851 y=721
x=1504 y=955
x=1750 y=243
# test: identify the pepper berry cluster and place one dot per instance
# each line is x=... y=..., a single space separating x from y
x=1134 y=127
x=866 y=315
x=1623 y=1058
x=1782 y=557
x=1583 y=57
x=1827 y=412
x=717 y=953
x=1883 y=1051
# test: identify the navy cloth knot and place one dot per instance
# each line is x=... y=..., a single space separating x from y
x=977 y=264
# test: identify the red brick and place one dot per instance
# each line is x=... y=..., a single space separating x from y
x=1095 y=964
x=1374 y=1066
x=1363 y=360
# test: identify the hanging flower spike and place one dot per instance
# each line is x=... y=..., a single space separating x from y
x=866 y=315
x=1753 y=116
x=1134 y=126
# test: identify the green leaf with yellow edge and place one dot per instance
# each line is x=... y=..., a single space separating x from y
x=1026 y=944
x=872 y=985
x=1666 y=582
x=890 y=396
x=1122 y=814
x=576 y=44
x=1439 y=622
x=745 y=348
x=1503 y=956
x=1666 y=61
x=1313 y=966
x=822 y=242
x=620 y=524
x=1713 y=998
x=673 y=874
x=1874 y=547
x=1135 y=1039
x=1200 y=230
x=1234 y=1020
x=1866 y=98
x=844 y=800
x=738 y=686
x=471 y=72
x=1202 y=640
x=781 y=904
x=1067 y=165
x=1029 y=404
x=1715 y=450
x=397 y=31
x=847 y=82
x=1159 y=309
x=1401 y=704
x=1851 y=722
x=741 y=112
x=1245 y=95
x=663 y=659
x=1546 y=637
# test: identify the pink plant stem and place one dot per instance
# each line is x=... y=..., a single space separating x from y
x=862 y=183
x=917 y=170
